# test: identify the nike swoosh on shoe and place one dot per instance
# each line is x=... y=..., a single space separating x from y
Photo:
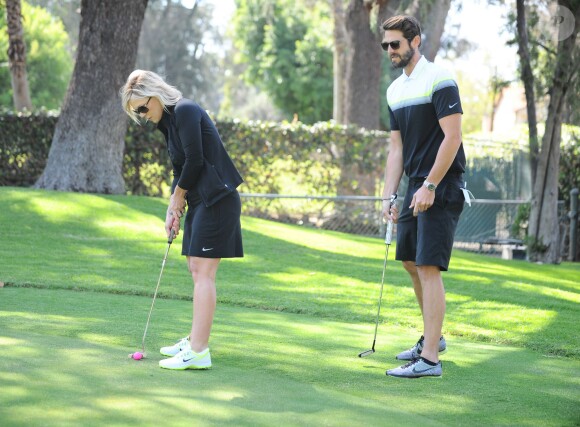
x=415 y=371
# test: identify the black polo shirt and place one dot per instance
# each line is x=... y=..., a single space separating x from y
x=416 y=103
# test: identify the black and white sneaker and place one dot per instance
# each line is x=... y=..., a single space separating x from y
x=417 y=368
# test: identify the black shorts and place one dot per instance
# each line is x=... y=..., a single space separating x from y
x=427 y=238
x=215 y=231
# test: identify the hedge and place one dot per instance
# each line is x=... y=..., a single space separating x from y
x=24 y=144
x=325 y=158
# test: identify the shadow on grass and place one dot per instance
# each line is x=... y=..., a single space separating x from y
x=69 y=370
x=65 y=359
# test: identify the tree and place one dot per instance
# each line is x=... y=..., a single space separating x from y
x=87 y=148
x=17 y=56
x=432 y=15
x=48 y=55
x=287 y=46
x=363 y=62
x=339 y=62
x=528 y=80
x=543 y=230
x=184 y=54
x=68 y=12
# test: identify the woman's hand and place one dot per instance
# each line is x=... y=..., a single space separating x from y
x=171 y=223
x=175 y=211
x=176 y=206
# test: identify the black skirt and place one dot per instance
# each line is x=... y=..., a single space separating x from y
x=215 y=231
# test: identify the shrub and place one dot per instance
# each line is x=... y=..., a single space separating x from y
x=25 y=140
x=323 y=159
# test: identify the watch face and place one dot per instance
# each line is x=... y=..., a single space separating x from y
x=430 y=186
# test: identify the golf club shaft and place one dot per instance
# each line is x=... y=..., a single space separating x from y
x=388 y=238
x=170 y=239
x=381 y=295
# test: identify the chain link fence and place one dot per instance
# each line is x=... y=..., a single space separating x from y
x=485 y=227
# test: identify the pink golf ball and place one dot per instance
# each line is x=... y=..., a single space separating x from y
x=137 y=355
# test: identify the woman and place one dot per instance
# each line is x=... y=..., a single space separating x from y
x=205 y=180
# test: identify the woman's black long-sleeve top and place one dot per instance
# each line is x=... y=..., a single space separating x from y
x=200 y=161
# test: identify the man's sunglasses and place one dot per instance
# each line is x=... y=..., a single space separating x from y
x=394 y=45
x=142 y=109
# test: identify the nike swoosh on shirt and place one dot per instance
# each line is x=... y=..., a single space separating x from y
x=453 y=105
x=206 y=249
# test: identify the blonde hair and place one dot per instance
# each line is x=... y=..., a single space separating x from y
x=144 y=84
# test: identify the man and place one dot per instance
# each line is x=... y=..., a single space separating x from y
x=425 y=114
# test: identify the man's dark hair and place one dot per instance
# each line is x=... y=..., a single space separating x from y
x=406 y=24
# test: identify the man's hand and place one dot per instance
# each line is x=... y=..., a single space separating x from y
x=423 y=199
x=390 y=213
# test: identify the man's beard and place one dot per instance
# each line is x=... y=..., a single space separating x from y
x=405 y=59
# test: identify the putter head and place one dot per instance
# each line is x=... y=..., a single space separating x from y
x=366 y=353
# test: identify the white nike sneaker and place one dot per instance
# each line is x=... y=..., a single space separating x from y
x=172 y=350
x=188 y=359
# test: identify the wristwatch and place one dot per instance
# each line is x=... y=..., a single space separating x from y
x=429 y=185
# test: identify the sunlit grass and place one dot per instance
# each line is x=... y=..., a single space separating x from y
x=115 y=244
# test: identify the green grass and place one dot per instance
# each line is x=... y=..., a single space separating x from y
x=292 y=316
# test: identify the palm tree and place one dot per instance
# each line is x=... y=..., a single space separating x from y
x=17 y=56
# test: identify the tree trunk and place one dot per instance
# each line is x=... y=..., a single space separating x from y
x=17 y=56
x=434 y=24
x=87 y=148
x=339 y=63
x=363 y=71
x=528 y=80
x=543 y=231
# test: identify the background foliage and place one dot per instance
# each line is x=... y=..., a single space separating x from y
x=287 y=47
x=24 y=144
x=48 y=61
x=181 y=44
x=569 y=162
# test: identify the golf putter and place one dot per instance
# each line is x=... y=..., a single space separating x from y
x=137 y=355
x=388 y=238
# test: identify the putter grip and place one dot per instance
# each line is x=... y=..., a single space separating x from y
x=389 y=235
x=171 y=236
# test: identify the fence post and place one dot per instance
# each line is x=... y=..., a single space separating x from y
x=573 y=215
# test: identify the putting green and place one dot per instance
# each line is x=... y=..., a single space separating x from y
x=64 y=362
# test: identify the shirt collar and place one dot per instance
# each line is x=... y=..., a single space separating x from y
x=421 y=63
x=166 y=117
